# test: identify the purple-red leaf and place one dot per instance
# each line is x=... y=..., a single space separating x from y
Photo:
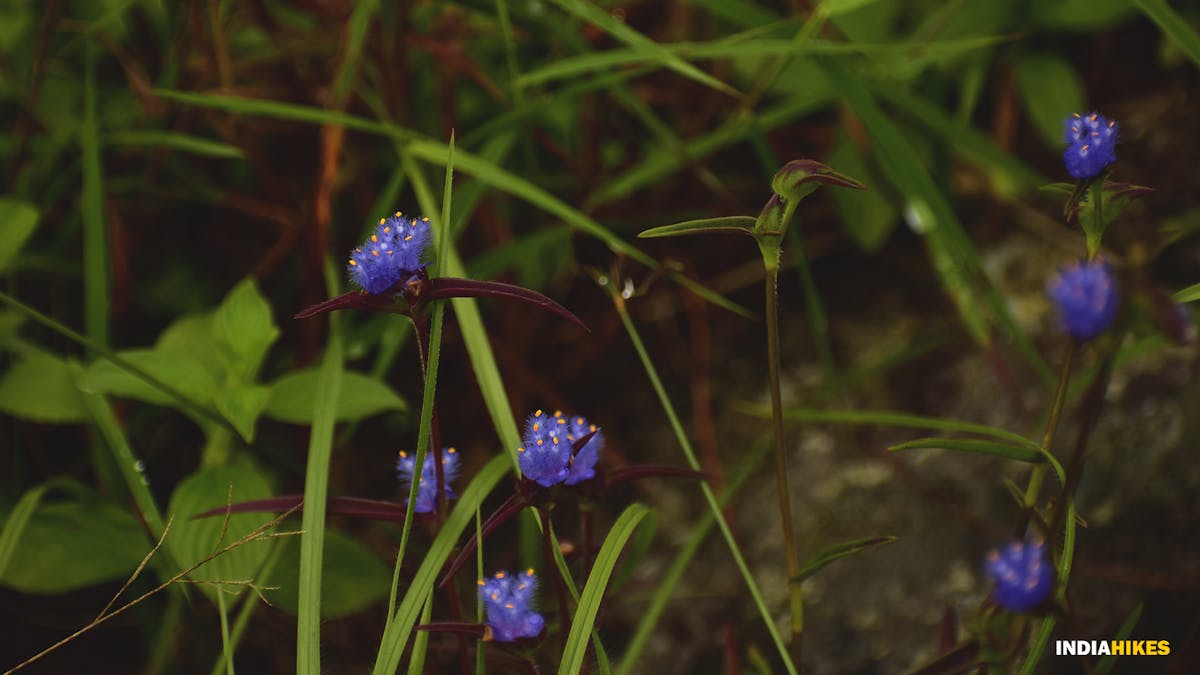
x=506 y=511
x=354 y=507
x=475 y=630
x=356 y=300
x=453 y=287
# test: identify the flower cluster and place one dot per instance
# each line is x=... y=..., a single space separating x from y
x=1091 y=144
x=1086 y=297
x=508 y=602
x=1022 y=574
x=427 y=486
x=392 y=253
x=548 y=456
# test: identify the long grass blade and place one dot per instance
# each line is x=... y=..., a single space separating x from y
x=95 y=234
x=1173 y=26
x=14 y=525
x=593 y=591
x=714 y=507
x=316 y=489
x=395 y=636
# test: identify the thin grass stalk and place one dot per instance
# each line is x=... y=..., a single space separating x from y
x=713 y=505
x=1038 y=476
x=791 y=555
x=226 y=643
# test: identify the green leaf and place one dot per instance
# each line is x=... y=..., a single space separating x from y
x=191 y=540
x=1020 y=453
x=186 y=374
x=244 y=330
x=834 y=553
x=73 y=544
x=361 y=396
x=1051 y=91
x=593 y=590
x=41 y=387
x=193 y=335
x=352 y=579
x=1189 y=294
x=18 y=219
x=15 y=524
x=724 y=225
x=241 y=405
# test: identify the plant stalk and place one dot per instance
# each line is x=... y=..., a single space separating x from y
x=1038 y=476
x=770 y=251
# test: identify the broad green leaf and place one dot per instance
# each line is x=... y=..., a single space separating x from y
x=1020 y=453
x=1051 y=91
x=41 y=387
x=867 y=215
x=180 y=370
x=244 y=330
x=18 y=219
x=352 y=579
x=723 y=225
x=192 y=540
x=361 y=396
x=835 y=553
x=15 y=524
x=1189 y=294
x=241 y=405
x=593 y=590
x=193 y=335
x=69 y=545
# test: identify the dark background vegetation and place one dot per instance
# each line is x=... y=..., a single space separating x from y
x=191 y=196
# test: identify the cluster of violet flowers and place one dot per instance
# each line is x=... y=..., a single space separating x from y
x=1086 y=300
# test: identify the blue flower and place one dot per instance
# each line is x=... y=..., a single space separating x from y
x=427 y=488
x=1022 y=575
x=391 y=254
x=508 y=603
x=1091 y=144
x=1086 y=297
x=546 y=456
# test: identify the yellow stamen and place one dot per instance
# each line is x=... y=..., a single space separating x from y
x=375 y=239
x=352 y=263
x=382 y=221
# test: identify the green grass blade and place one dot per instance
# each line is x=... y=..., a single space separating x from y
x=416 y=664
x=1173 y=26
x=714 y=507
x=194 y=145
x=435 y=152
x=395 y=637
x=1189 y=294
x=250 y=602
x=14 y=525
x=122 y=363
x=953 y=255
x=885 y=418
x=130 y=467
x=839 y=551
x=1020 y=453
x=619 y=30
x=226 y=643
x=95 y=234
x=723 y=225
x=593 y=591
x=359 y=24
x=316 y=489
x=670 y=579
x=1107 y=662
